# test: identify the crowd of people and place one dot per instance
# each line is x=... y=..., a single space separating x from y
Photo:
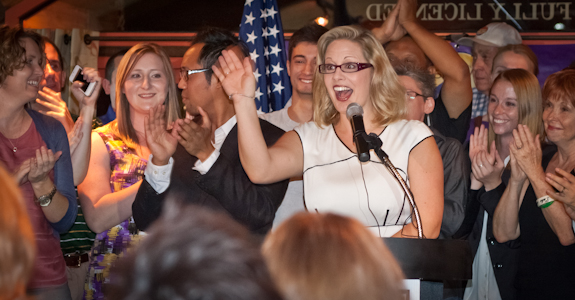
x=181 y=190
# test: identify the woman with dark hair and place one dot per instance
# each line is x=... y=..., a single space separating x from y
x=119 y=157
x=353 y=68
x=528 y=208
x=35 y=149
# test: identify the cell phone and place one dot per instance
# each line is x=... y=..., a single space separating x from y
x=87 y=87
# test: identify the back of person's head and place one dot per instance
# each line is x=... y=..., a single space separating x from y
x=528 y=96
x=124 y=126
x=17 y=244
x=330 y=257
x=307 y=34
x=193 y=253
x=12 y=50
x=216 y=40
x=385 y=92
x=560 y=86
x=519 y=49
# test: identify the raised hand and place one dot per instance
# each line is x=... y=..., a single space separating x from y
x=390 y=30
x=478 y=141
x=237 y=77
x=517 y=173
x=75 y=136
x=50 y=103
x=196 y=135
x=487 y=167
x=527 y=150
x=21 y=173
x=161 y=143
x=90 y=75
x=408 y=11
x=41 y=165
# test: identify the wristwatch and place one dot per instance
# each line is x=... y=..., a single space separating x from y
x=45 y=200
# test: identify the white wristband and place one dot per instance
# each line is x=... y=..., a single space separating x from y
x=544 y=201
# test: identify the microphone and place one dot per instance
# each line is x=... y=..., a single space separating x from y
x=355 y=115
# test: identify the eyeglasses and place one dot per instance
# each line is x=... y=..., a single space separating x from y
x=411 y=95
x=346 y=68
x=184 y=73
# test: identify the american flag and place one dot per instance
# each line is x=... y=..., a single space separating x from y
x=261 y=29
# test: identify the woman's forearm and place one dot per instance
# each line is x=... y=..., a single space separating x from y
x=56 y=210
x=110 y=210
x=81 y=156
x=254 y=153
x=506 y=216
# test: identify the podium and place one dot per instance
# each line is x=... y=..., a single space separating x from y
x=433 y=262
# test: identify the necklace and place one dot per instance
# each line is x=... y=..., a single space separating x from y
x=14 y=148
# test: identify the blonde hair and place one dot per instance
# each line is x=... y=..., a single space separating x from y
x=327 y=256
x=123 y=125
x=386 y=94
x=17 y=246
x=529 y=103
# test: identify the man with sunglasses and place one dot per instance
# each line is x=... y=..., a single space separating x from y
x=198 y=161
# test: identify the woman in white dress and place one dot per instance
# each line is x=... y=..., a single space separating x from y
x=353 y=68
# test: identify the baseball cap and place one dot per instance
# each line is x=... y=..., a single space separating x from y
x=494 y=34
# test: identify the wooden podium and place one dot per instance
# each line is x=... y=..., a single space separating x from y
x=433 y=262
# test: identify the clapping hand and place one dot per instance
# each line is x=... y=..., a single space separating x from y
x=478 y=141
x=237 y=77
x=50 y=103
x=162 y=143
x=564 y=184
x=41 y=165
x=487 y=167
x=527 y=150
x=390 y=30
x=195 y=135
x=21 y=173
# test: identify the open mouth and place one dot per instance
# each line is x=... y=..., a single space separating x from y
x=306 y=81
x=33 y=82
x=342 y=93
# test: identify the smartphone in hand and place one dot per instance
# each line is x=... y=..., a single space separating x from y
x=87 y=87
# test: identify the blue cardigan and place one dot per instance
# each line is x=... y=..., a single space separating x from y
x=54 y=135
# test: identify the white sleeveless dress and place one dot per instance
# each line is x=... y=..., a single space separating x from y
x=336 y=181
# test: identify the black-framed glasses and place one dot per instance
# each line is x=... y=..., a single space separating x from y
x=411 y=95
x=350 y=67
x=184 y=73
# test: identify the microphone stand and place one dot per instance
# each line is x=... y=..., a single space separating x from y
x=375 y=143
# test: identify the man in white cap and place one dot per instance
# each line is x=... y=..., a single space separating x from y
x=484 y=47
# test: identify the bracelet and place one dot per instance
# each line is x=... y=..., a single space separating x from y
x=232 y=94
x=544 y=201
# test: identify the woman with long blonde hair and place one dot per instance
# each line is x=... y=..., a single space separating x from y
x=352 y=68
x=119 y=157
